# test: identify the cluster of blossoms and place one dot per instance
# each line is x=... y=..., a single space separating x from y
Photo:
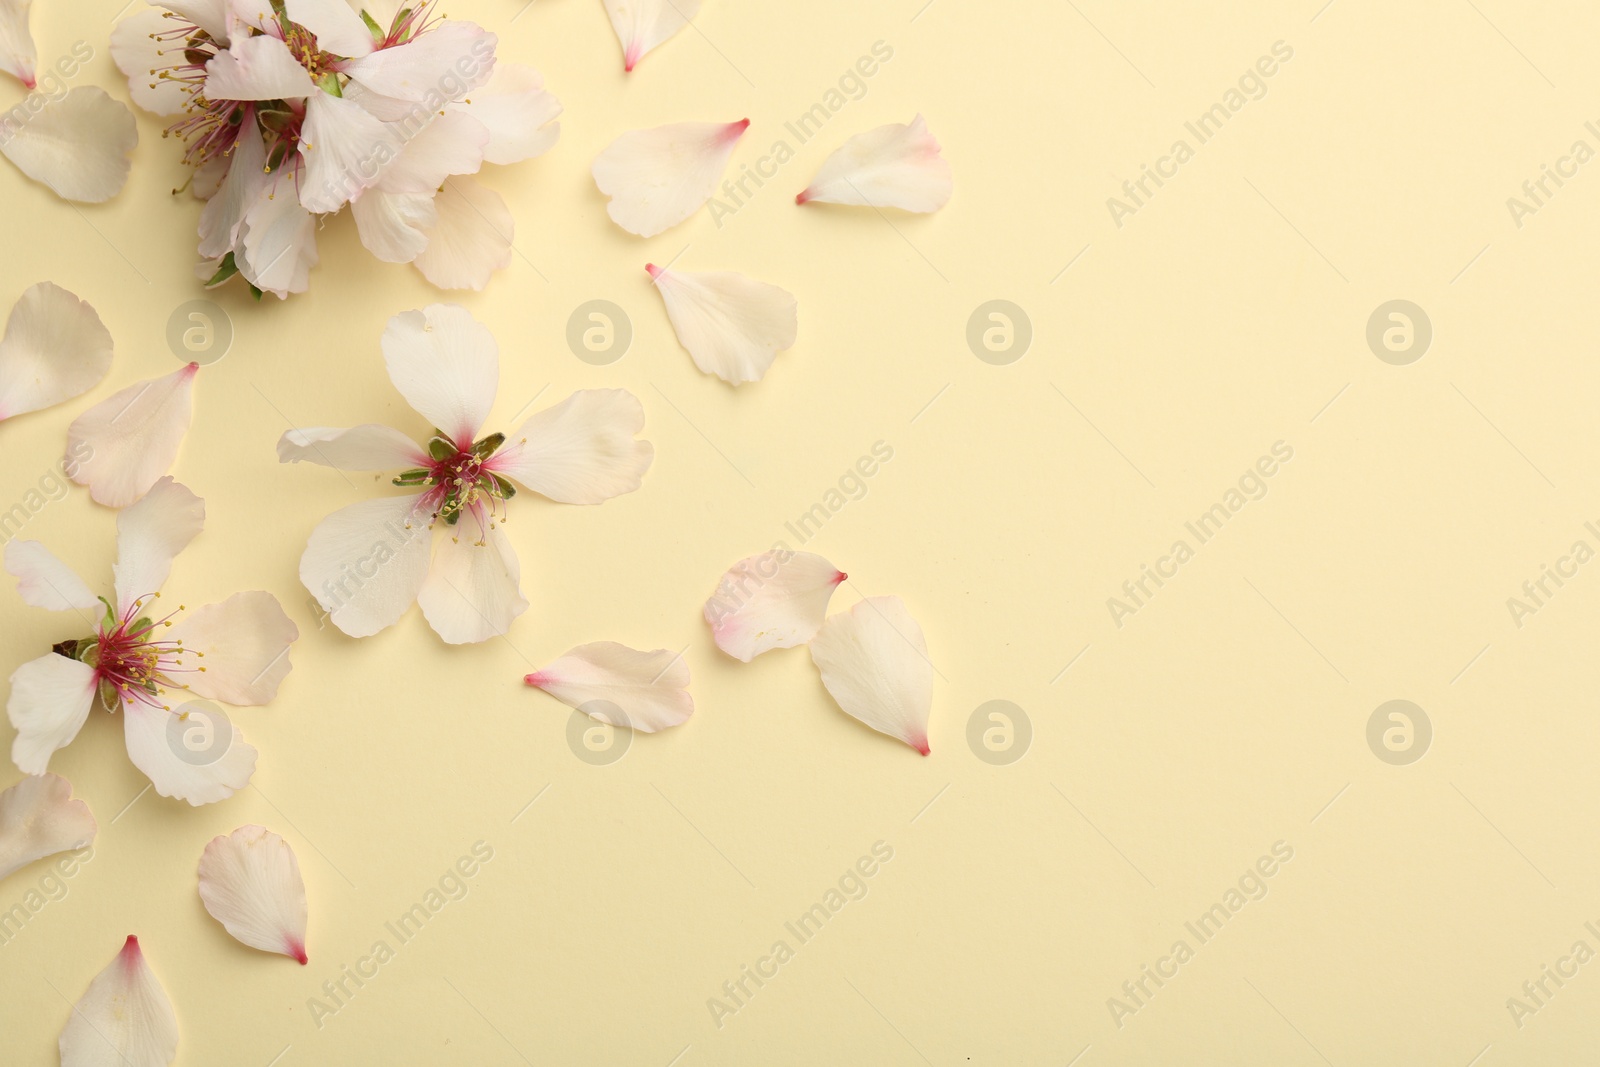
x=292 y=109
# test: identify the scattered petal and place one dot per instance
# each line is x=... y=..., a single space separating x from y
x=874 y=662
x=258 y=68
x=366 y=562
x=361 y=448
x=777 y=599
x=50 y=699
x=620 y=686
x=447 y=366
x=582 y=451
x=472 y=592
x=250 y=883
x=77 y=144
x=44 y=581
x=17 y=53
x=150 y=534
x=145 y=729
x=39 y=818
x=131 y=438
x=470 y=240
x=124 y=1020
x=657 y=178
x=733 y=326
x=55 y=348
x=519 y=113
x=891 y=166
x=641 y=25
x=242 y=645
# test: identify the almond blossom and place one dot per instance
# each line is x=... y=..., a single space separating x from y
x=145 y=658
x=444 y=545
x=294 y=110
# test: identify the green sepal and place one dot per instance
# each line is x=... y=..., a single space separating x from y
x=487 y=446
x=452 y=518
x=372 y=26
x=254 y=291
x=329 y=83
x=441 y=447
x=225 y=270
x=507 y=490
x=415 y=476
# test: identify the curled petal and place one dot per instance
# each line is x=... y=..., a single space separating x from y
x=78 y=143
x=641 y=25
x=733 y=326
x=518 y=112
x=361 y=448
x=470 y=239
x=447 y=366
x=39 y=818
x=473 y=590
x=874 y=662
x=250 y=883
x=50 y=699
x=44 y=581
x=257 y=68
x=123 y=1020
x=17 y=52
x=657 y=178
x=338 y=28
x=138 y=54
x=366 y=562
x=891 y=166
x=620 y=686
x=131 y=438
x=150 y=534
x=148 y=731
x=582 y=451
x=55 y=348
x=242 y=647
x=777 y=599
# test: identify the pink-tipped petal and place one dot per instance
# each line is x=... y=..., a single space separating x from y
x=44 y=581
x=78 y=144
x=896 y=166
x=874 y=663
x=147 y=731
x=250 y=883
x=733 y=326
x=130 y=439
x=242 y=645
x=620 y=686
x=641 y=25
x=55 y=348
x=582 y=451
x=123 y=1020
x=657 y=178
x=470 y=239
x=39 y=818
x=366 y=562
x=361 y=448
x=777 y=599
x=50 y=699
x=447 y=366
x=150 y=534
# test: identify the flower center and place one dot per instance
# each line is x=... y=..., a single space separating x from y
x=130 y=661
x=459 y=482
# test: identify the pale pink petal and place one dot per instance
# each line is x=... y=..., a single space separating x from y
x=733 y=326
x=50 y=699
x=240 y=647
x=257 y=68
x=641 y=25
x=146 y=730
x=338 y=28
x=150 y=534
x=451 y=58
x=44 y=581
x=280 y=241
x=365 y=563
x=361 y=448
x=39 y=818
x=518 y=112
x=473 y=588
x=892 y=166
x=208 y=177
x=141 y=57
x=17 y=53
x=124 y=1020
x=582 y=451
x=131 y=437
x=775 y=600
x=55 y=348
x=874 y=663
x=452 y=143
x=394 y=226
x=77 y=144
x=471 y=238
x=620 y=686
x=447 y=366
x=345 y=149
x=657 y=178
x=250 y=883
x=224 y=213
x=213 y=16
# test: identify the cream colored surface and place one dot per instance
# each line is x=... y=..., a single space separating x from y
x=1229 y=713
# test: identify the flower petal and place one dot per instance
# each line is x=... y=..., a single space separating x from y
x=620 y=686
x=365 y=563
x=361 y=448
x=280 y=241
x=447 y=366
x=50 y=699
x=258 y=68
x=452 y=143
x=17 y=52
x=39 y=818
x=338 y=28
x=138 y=53
x=874 y=662
x=213 y=16
x=777 y=599
x=517 y=110
x=150 y=534
x=55 y=348
x=891 y=166
x=145 y=729
x=131 y=437
x=657 y=178
x=641 y=25
x=394 y=226
x=225 y=211
x=582 y=451
x=473 y=588
x=250 y=883
x=345 y=149
x=733 y=326
x=243 y=646
x=449 y=59
x=124 y=1020
x=77 y=144
x=471 y=238
x=44 y=581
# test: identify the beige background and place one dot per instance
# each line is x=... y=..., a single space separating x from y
x=1230 y=713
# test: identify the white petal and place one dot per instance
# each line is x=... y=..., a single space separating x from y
x=394 y=226
x=44 y=581
x=361 y=448
x=224 y=213
x=450 y=58
x=132 y=437
x=643 y=24
x=124 y=1020
x=582 y=451
x=345 y=148
x=243 y=645
x=257 y=68
x=364 y=564
x=17 y=53
x=891 y=166
x=875 y=664
x=338 y=28
x=471 y=239
x=146 y=730
x=39 y=818
x=150 y=534
x=620 y=686
x=657 y=178
x=77 y=144
x=452 y=143
x=139 y=56
x=732 y=325
x=280 y=241
x=209 y=15
x=250 y=883
x=50 y=699
x=473 y=589
x=775 y=600
x=55 y=348
x=447 y=366
x=518 y=113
